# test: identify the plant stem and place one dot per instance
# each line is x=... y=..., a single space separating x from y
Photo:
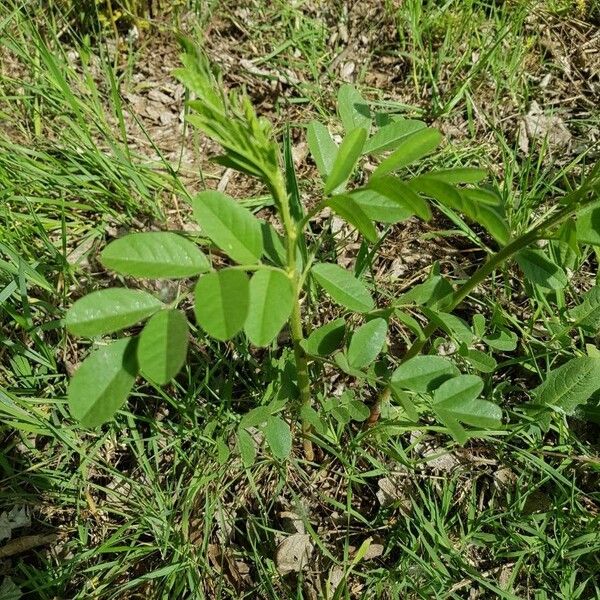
x=291 y=231
x=493 y=262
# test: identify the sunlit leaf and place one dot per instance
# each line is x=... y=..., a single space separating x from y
x=154 y=255
x=110 y=310
x=233 y=228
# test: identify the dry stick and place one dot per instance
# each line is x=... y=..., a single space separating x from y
x=574 y=205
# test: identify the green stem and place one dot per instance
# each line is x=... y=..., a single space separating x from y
x=295 y=276
x=495 y=261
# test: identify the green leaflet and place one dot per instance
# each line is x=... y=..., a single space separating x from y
x=459 y=175
x=343 y=287
x=326 y=339
x=271 y=301
x=278 y=436
x=588 y=226
x=456 y=401
x=102 y=383
x=411 y=148
x=423 y=373
x=246 y=447
x=345 y=160
x=587 y=314
x=154 y=255
x=366 y=343
x=540 y=270
x=389 y=136
x=233 y=228
x=110 y=310
x=346 y=207
x=322 y=147
x=380 y=208
x=352 y=108
x=570 y=385
x=221 y=302
x=400 y=193
x=162 y=346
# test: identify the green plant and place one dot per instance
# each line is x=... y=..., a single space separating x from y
x=287 y=268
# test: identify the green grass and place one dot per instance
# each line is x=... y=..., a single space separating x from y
x=158 y=504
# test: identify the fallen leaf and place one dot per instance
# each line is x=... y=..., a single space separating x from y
x=293 y=553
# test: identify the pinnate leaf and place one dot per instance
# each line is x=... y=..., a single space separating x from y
x=103 y=381
x=162 y=346
x=271 y=301
x=110 y=310
x=233 y=228
x=154 y=255
x=221 y=302
x=343 y=287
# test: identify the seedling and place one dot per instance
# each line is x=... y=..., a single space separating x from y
x=273 y=272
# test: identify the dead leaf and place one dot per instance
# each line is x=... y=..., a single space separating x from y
x=537 y=127
x=394 y=490
x=16 y=517
x=293 y=553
